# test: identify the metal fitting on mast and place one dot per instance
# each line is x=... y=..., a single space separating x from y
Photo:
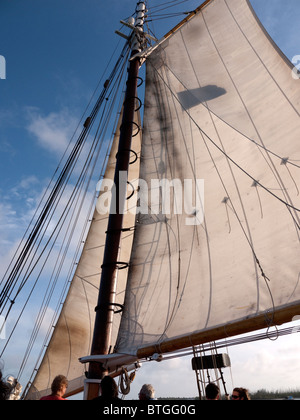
x=138 y=35
x=137 y=38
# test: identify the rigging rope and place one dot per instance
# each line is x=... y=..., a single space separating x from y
x=14 y=283
x=284 y=161
x=167 y=5
x=40 y=226
x=247 y=236
x=104 y=122
x=231 y=342
x=221 y=150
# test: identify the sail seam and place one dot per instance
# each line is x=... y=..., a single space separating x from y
x=261 y=146
x=271 y=164
x=192 y=166
x=246 y=230
x=225 y=154
x=282 y=159
x=258 y=56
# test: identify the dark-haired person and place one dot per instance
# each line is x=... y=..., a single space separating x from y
x=212 y=392
x=240 y=394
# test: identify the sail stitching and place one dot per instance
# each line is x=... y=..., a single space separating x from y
x=205 y=105
x=249 y=235
x=271 y=164
x=235 y=163
x=192 y=166
x=269 y=319
x=272 y=77
x=171 y=311
x=255 y=182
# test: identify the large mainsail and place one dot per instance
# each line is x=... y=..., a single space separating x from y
x=221 y=105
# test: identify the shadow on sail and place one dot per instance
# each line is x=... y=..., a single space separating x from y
x=193 y=97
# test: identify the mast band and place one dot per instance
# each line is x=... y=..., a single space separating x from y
x=122 y=264
x=131 y=151
x=117 y=305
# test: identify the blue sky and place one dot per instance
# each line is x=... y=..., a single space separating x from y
x=55 y=54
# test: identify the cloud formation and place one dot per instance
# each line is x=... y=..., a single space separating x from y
x=53 y=131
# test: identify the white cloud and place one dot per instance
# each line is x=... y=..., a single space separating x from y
x=53 y=131
x=17 y=207
x=8 y=222
x=170 y=378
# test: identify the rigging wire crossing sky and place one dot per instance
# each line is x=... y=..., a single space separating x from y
x=51 y=61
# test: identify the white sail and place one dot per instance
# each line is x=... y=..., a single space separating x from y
x=74 y=330
x=221 y=105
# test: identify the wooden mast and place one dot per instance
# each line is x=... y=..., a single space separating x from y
x=106 y=299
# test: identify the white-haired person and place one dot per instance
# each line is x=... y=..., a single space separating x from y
x=147 y=392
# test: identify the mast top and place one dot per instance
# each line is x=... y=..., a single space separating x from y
x=137 y=38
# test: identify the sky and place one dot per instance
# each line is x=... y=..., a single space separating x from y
x=55 y=54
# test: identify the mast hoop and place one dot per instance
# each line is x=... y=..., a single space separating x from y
x=134 y=123
x=129 y=150
x=140 y=104
x=138 y=129
x=141 y=81
x=135 y=77
x=132 y=192
x=117 y=305
x=120 y=265
x=130 y=229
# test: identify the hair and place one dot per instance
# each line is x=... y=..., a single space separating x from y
x=4 y=389
x=147 y=391
x=212 y=391
x=57 y=383
x=109 y=388
x=243 y=393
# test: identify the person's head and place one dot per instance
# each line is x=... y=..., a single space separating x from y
x=212 y=392
x=240 y=394
x=4 y=389
x=147 y=392
x=109 y=388
x=59 y=385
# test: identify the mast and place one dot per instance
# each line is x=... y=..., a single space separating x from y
x=106 y=299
